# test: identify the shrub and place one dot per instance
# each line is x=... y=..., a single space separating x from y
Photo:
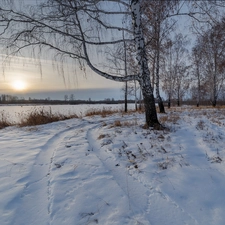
x=117 y=123
x=170 y=119
x=4 y=122
x=101 y=112
x=41 y=116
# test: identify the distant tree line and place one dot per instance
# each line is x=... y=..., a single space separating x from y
x=6 y=98
x=10 y=99
x=196 y=74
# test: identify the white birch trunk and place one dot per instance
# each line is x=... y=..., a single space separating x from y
x=144 y=73
x=135 y=94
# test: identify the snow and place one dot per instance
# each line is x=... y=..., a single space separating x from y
x=109 y=170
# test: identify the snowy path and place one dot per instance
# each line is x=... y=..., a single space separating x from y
x=200 y=180
x=34 y=199
x=144 y=201
x=97 y=171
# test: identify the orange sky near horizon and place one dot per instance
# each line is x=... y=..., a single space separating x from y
x=23 y=75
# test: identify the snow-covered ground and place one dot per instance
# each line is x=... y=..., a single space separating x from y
x=111 y=171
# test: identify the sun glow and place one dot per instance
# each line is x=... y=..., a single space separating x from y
x=19 y=85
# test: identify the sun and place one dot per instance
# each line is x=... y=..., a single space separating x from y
x=19 y=85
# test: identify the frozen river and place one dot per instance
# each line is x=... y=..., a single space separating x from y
x=14 y=113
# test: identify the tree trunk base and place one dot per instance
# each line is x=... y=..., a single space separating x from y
x=161 y=107
x=150 y=112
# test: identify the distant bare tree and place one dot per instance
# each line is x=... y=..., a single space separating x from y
x=168 y=78
x=176 y=78
x=66 y=97
x=212 y=46
x=120 y=60
x=72 y=97
x=181 y=69
x=157 y=14
x=197 y=73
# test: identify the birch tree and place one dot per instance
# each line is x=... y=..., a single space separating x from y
x=168 y=77
x=176 y=71
x=157 y=14
x=122 y=61
x=180 y=67
x=197 y=71
x=71 y=29
x=213 y=59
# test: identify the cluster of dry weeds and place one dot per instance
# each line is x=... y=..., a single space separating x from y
x=33 y=118
x=42 y=116
x=4 y=121
x=38 y=117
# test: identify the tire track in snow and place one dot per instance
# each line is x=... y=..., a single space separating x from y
x=35 y=198
x=145 y=200
x=83 y=182
x=134 y=191
x=192 y=144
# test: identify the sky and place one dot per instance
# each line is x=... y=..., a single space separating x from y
x=24 y=77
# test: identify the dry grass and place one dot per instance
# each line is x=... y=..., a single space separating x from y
x=200 y=125
x=42 y=116
x=131 y=111
x=169 y=162
x=218 y=107
x=38 y=117
x=145 y=126
x=109 y=111
x=4 y=121
x=130 y=123
x=218 y=121
x=169 y=119
x=101 y=112
x=101 y=136
x=118 y=123
x=4 y=124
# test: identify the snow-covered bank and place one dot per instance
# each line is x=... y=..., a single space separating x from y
x=14 y=113
x=110 y=170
